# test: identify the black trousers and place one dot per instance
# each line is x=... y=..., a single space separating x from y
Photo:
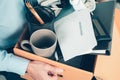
x=11 y=76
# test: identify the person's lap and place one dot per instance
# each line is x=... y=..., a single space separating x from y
x=9 y=76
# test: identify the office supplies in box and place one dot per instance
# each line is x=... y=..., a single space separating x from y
x=73 y=73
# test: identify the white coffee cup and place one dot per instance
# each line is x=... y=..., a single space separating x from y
x=43 y=42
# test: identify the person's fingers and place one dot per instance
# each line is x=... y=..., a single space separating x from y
x=57 y=70
x=42 y=71
x=54 y=69
x=55 y=77
x=49 y=77
x=49 y=67
x=52 y=76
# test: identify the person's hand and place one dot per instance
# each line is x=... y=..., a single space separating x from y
x=42 y=71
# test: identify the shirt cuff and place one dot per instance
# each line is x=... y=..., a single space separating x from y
x=18 y=65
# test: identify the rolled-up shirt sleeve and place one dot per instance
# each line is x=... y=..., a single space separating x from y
x=12 y=63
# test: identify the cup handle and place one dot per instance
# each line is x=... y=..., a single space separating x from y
x=23 y=43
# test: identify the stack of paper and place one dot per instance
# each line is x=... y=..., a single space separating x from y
x=75 y=34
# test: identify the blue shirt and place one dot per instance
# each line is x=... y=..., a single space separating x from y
x=12 y=19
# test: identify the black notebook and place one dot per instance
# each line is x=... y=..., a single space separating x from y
x=102 y=19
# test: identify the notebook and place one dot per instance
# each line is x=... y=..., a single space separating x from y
x=75 y=34
x=102 y=19
x=104 y=27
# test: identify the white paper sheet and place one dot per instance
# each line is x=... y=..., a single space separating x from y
x=75 y=34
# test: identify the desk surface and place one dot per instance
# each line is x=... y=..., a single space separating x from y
x=108 y=67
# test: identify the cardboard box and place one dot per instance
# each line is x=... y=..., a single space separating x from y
x=106 y=67
x=70 y=73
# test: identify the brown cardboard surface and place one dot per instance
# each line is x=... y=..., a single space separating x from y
x=70 y=73
x=108 y=67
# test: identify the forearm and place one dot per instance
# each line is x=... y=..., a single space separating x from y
x=12 y=63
